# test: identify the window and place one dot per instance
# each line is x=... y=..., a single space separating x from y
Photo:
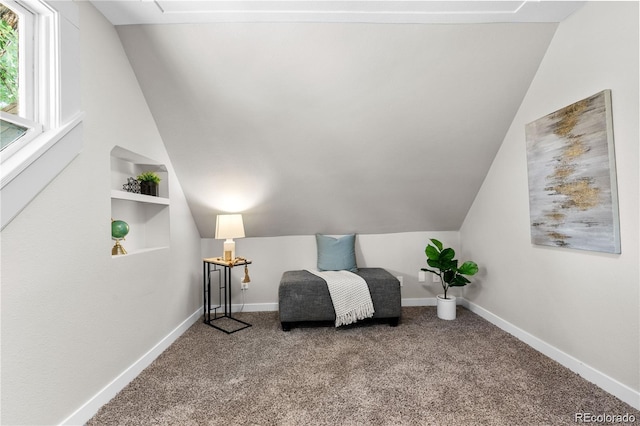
x=9 y=60
x=40 y=129
x=18 y=120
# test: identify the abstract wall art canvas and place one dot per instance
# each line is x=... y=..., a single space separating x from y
x=572 y=177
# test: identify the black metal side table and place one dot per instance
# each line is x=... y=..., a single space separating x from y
x=220 y=266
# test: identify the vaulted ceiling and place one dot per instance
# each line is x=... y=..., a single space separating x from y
x=380 y=118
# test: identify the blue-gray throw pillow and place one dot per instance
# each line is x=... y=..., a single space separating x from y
x=336 y=254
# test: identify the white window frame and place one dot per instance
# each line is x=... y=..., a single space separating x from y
x=38 y=39
x=52 y=141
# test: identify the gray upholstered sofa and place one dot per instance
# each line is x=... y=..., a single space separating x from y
x=304 y=297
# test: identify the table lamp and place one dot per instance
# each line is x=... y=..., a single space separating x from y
x=228 y=227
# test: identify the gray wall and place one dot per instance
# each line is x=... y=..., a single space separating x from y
x=73 y=318
x=586 y=304
x=400 y=253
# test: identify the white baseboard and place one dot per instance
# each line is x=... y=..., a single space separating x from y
x=91 y=407
x=255 y=307
x=614 y=387
x=422 y=301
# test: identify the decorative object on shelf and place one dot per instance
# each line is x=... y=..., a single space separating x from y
x=239 y=260
x=446 y=267
x=132 y=185
x=229 y=226
x=149 y=217
x=246 y=278
x=573 y=197
x=149 y=183
x=119 y=230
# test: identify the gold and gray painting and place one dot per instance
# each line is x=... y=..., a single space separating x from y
x=572 y=180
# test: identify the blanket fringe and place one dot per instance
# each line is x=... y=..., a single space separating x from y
x=360 y=312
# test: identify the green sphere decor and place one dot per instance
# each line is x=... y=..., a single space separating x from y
x=119 y=230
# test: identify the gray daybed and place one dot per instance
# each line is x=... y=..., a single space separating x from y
x=304 y=297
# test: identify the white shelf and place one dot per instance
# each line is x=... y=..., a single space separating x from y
x=147 y=216
x=135 y=158
x=141 y=198
x=134 y=252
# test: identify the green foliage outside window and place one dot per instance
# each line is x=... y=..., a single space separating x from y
x=9 y=67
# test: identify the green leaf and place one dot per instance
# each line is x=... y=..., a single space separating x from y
x=448 y=263
x=434 y=263
x=447 y=254
x=437 y=243
x=149 y=177
x=468 y=268
x=449 y=276
x=460 y=280
x=432 y=252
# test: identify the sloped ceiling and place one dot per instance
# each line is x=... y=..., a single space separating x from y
x=333 y=127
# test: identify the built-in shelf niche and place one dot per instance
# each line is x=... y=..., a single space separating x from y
x=147 y=216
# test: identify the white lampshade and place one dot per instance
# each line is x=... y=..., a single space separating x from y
x=229 y=226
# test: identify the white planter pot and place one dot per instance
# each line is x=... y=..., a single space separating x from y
x=446 y=307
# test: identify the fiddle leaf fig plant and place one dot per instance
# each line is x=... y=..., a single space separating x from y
x=444 y=264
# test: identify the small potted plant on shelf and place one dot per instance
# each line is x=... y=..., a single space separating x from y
x=149 y=183
x=444 y=265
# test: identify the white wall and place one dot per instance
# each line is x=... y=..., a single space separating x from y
x=400 y=254
x=585 y=304
x=73 y=318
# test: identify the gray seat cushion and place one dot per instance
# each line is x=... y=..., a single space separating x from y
x=304 y=296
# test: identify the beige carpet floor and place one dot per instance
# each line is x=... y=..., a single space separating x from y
x=426 y=371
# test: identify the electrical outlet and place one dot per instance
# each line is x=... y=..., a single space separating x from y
x=421 y=276
x=436 y=278
x=244 y=286
x=401 y=279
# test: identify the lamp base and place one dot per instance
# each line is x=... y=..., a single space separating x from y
x=229 y=248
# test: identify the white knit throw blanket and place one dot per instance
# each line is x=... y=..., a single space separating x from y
x=349 y=294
